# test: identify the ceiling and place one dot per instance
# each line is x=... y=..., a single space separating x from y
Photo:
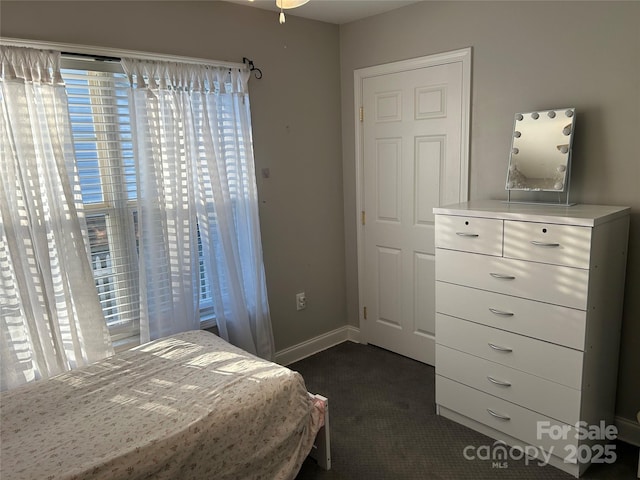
x=332 y=11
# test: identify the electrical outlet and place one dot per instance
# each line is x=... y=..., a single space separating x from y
x=301 y=301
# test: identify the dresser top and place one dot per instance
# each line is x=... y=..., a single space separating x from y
x=583 y=215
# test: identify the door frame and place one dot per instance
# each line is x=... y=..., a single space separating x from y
x=359 y=75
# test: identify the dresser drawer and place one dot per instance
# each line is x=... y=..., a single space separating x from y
x=553 y=362
x=516 y=421
x=552 y=323
x=554 y=284
x=548 y=243
x=469 y=234
x=535 y=393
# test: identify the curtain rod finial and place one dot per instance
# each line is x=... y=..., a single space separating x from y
x=252 y=67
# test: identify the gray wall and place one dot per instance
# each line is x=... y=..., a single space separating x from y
x=296 y=126
x=526 y=56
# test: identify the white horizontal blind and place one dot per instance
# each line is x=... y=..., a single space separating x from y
x=101 y=128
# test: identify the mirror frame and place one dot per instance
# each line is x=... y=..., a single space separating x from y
x=546 y=151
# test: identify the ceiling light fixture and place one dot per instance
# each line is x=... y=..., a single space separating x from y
x=288 y=4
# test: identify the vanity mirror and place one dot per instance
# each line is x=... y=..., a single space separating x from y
x=540 y=158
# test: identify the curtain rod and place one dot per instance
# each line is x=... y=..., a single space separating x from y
x=114 y=54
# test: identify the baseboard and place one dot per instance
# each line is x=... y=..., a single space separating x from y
x=317 y=344
x=628 y=430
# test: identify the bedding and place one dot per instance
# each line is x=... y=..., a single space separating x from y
x=190 y=406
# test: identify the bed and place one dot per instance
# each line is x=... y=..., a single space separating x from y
x=190 y=406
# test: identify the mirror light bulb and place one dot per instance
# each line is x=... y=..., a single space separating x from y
x=517 y=134
x=569 y=113
x=535 y=115
x=551 y=114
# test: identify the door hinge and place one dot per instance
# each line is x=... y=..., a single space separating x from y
x=365 y=313
x=361 y=114
x=363 y=218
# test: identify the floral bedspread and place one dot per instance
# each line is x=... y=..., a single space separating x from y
x=190 y=406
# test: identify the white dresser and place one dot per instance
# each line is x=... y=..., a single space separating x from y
x=528 y=311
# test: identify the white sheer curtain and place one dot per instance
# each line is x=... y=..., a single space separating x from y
x=196 y=175
x=50 y=317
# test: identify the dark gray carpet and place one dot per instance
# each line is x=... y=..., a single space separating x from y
x=384 y=426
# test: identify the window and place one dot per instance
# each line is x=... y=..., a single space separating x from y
x=101 y=128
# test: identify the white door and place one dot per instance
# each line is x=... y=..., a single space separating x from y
x=414 y=138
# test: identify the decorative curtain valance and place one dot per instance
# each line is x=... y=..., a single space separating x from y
x=185 y=77
x=31 y=65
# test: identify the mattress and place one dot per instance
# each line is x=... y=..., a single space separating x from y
x=190 y=406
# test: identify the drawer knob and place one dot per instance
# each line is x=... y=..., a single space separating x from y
x=502 y=276
x=465 y=234
x=500 y=349
x=544 y=244
x=499 y=382
x=497 y=415
x=500 y=312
